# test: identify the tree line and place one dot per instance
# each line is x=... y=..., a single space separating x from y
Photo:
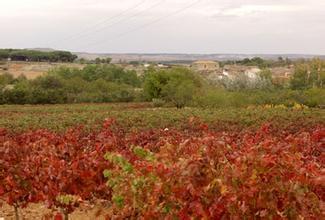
x=178 y=86
x=260 y=62
x=37 y=56
x=94 y=83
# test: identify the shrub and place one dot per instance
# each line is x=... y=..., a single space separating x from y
x=158 y=103
x=177 y=86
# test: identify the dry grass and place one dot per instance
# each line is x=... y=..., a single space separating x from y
x=32 y=69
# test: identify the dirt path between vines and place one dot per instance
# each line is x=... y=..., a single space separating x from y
x=39 y=211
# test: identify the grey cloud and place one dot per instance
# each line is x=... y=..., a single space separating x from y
x=212 y=26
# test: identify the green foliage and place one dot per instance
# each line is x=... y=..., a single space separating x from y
x=6 y=79
x=255 y=61
x=48 y=96
x=139 y=116
x=300 y=77
x=104 y=60
x=94 y=83
x=220 y=98
x=120 y=161
x=178 y=92
x=261 y=63
x=37 y=56
x=143 y=154
x=48 y=82
x=109 y=73
x=14 y=96
x=314 y=97
x=216 y=98
x=266 y=74
x=154 y=83
x=65 y=72
x=177 y=85
x=118 y=200
x=309 y=75
x=66 y=199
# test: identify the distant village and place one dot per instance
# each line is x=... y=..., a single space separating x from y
x=214 y=71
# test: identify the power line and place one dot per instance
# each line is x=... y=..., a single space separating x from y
x=147 y=24
x=103 y=21
x=122 y=20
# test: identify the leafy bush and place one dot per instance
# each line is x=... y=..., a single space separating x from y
x=6 y=79
x=223 y=98
x=95 y=83
x=197 y=173
x=218 y=176
x=177 y=86
x=314 y=97
x=14 y=96
x=309 y=75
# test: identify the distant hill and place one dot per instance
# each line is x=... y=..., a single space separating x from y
x=171 y=57
x=190 y=57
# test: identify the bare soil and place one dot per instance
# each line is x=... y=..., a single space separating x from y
x=32 y=69
x=39 y=211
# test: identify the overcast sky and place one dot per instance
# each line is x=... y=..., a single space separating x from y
x=165 y=26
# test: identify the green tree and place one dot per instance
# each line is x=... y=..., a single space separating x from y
x=6 y=79
x=98 y=60
x=107 y=60
x=310 y=74
x=316 y=75
x=177 y=85
x=82 y=61
x=154 y=83
x=179 y=92
x=48 y=82
x=300 y=77
x=37 y=56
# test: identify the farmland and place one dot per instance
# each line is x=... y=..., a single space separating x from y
x=141 y=116
x=101 y=141
x=167 y=110
x=135 y=160
x=32 y=70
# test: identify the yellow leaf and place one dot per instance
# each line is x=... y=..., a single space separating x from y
x=223 y=189
x=254 y=175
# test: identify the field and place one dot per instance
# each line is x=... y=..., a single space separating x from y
x=142 y=116
x=32 y=69
x=131 y=161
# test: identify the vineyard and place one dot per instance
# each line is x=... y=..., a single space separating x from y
x=133 y=161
